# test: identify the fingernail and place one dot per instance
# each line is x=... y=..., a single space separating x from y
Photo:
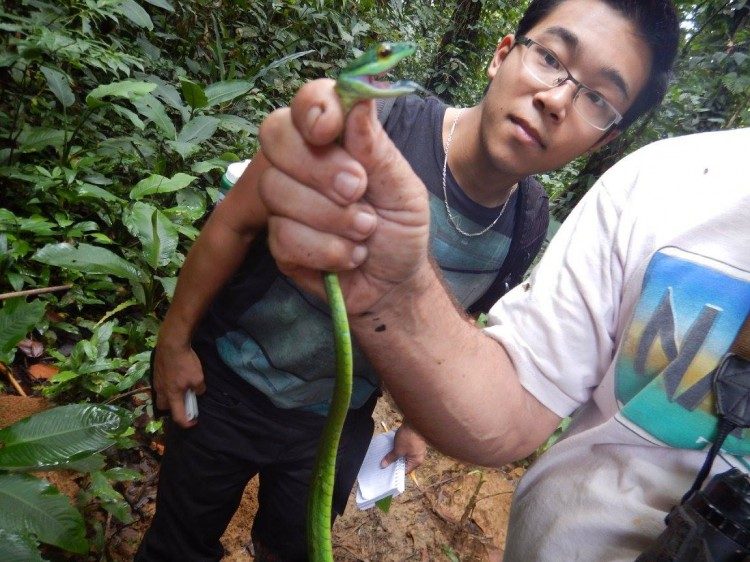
x=346 y=184
x=364 y=222
x=312 y=117
x=359 y=254
x=383 y=464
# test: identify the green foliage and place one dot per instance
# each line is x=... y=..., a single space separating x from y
x=384 y=504
x=118 y=117
x=18 y=547
x=31 y=509
x=32 y=506
x=17 y=318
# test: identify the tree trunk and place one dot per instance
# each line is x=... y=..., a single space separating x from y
x=457 y=41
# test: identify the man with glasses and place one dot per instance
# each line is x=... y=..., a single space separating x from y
x=543 y=64
x=559 y=87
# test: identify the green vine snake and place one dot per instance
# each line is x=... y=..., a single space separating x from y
x=356 y=82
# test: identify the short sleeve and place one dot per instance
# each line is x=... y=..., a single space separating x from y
x=559 y=326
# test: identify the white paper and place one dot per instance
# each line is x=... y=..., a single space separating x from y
x=375 y=483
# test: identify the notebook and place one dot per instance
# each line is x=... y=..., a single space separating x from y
x=375 y=483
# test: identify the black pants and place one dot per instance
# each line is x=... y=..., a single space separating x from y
x=206 y=468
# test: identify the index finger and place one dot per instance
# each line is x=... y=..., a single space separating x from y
x=329 y=168
x=317 y=112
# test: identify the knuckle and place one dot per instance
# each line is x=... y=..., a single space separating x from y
x=333 y=252
x=271 y=127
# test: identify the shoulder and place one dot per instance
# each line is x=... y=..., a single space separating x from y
x=677 y=166
x=708 y=145
x=411 y=110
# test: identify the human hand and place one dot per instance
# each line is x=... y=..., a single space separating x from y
x=358 y=210
x=408 y=444
x=176 y=369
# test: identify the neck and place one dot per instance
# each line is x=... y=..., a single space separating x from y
x=472 y=168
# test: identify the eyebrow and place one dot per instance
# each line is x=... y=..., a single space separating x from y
x=571 y=41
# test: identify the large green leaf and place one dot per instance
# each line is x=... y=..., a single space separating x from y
x=235 y=123
x=17 y=318
x=32 y=506
x=129 y=115
x=31 y=139
x=159 y=184
x=84 y=189
x=184 y=149
x=128 y=89
x=58 y=85
x=18 y=547
x=198 y=129
x=161 y=4
x=88 y=259
x=279 y=62
x=157 y=233
x=86 y=464
x=168 y=284
x=221 y=92
x=194 y=95
x=135 y=13
x=60 y=435
x=153 y=109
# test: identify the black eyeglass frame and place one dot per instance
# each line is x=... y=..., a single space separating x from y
x=527 y=42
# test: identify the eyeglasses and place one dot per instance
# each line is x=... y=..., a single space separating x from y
x=544 y=65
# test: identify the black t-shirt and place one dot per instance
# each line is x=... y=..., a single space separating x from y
x=266 y=330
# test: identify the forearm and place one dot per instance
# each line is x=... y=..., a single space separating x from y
x=455 y=386
x=215 y=256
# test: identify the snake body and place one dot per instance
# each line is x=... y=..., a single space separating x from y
x=356 y=82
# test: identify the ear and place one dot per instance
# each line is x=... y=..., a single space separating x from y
x=605 y=139
x=501 y=51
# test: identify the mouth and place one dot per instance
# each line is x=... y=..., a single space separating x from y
x=530 y=131
x=372 y=80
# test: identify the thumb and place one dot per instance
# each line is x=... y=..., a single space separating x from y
x=392 y=184
x=389 y=458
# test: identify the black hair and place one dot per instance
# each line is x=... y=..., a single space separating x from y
x=657 y=24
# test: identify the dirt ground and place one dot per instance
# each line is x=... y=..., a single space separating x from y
x=449 y=510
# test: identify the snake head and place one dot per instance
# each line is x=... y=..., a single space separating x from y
x=358 y=80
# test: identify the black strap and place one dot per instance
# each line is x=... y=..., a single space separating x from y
x=524 y=245
x=731 y=384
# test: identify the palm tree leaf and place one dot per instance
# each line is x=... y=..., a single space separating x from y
x=32 y=506
x=60 y=435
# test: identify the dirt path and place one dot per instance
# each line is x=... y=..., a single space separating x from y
x=449 y=511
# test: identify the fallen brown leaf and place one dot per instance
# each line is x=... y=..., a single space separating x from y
x=43 y=371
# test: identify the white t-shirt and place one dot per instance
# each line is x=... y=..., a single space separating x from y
x=634 y=303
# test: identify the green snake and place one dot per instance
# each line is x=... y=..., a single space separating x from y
x=356 y=82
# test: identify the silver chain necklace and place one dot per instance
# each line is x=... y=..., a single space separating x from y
x=451 y=218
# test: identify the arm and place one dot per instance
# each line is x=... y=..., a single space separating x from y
x=216 y=254
x=462 y=392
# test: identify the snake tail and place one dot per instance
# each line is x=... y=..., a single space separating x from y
x=321 y=489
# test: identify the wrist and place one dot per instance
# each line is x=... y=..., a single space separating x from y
x=175 y=333
x=404 y=304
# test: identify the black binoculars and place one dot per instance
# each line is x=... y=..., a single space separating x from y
x=712 y=525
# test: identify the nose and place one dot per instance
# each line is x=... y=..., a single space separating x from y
x=556 y=101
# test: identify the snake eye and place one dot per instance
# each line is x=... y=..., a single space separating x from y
x=384 y=51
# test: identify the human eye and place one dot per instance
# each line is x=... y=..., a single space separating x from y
x=550 y=60
x=547 y=58
x=595 y=99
